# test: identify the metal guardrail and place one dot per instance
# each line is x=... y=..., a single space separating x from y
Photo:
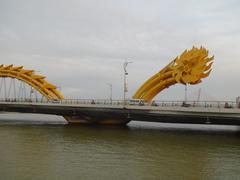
x=65 y=101
x=204 y=104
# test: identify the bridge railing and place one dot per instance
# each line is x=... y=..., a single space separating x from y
x=203 y=104
x=157 y=103
x=64 y=101
x=91 y=101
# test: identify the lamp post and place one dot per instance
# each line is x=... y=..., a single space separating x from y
x=110 y=97
x=125 y=81
x=185 y=97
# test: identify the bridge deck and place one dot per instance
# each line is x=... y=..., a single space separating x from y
x=162 y=113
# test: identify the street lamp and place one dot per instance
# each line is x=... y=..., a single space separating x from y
x=185 y=97
x=125 y=81
x=110 y=97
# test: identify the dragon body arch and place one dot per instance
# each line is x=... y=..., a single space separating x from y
x=38 y=82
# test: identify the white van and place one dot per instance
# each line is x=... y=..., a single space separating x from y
x=136 y=102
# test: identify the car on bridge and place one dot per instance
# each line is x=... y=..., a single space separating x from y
x=137 y=102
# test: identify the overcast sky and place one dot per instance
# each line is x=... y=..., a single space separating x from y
x=81 y=45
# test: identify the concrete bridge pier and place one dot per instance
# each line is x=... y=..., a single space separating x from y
x=121 y=117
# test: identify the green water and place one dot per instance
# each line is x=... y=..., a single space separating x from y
x=140 y=151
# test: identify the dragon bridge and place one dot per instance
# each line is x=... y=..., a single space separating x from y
x=188 y=68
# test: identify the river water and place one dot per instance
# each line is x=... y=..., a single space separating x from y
x=42 y=148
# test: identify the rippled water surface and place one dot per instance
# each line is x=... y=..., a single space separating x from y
x=31 y=149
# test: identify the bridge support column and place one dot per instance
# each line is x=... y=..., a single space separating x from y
x=100 y=120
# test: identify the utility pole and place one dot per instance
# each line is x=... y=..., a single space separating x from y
x=185 y=99
x=110 y=97
x=199 y=95
x=125 y=89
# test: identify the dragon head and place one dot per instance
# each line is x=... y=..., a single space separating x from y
x=192 y=65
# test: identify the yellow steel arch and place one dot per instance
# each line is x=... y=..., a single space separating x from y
x=38 y=82
x=188 y=68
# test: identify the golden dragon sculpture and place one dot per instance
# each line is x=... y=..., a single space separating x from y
x=188 y=68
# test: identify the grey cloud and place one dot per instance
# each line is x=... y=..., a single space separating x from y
x=81 y=45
